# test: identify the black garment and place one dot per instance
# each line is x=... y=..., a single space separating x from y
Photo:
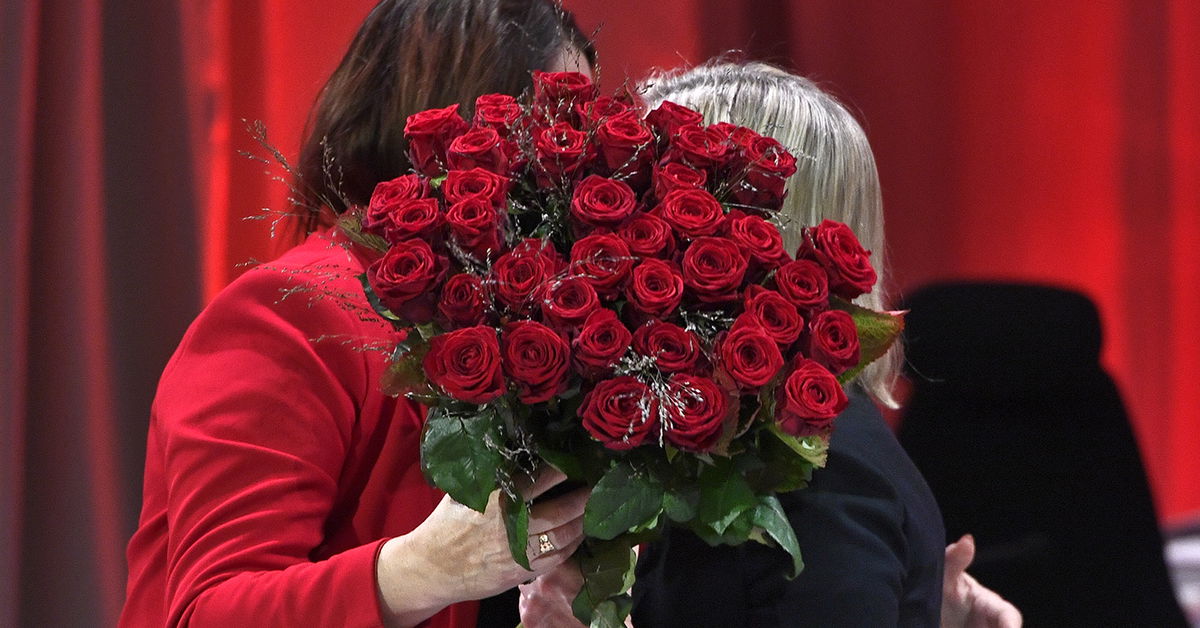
x=870 y=533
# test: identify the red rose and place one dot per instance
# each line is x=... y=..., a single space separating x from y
x=648 y=235
x=481 y=147
x=466 y=364
x=749 y=354
x=416 y=218
x=808 y=400
x=406 y=280
x=463 y=301
x=777 y=315
x=498 y=111
x=621 y=413
x=759 y=238
x=567 y=302
x=626 y=146
x=390 y=194
x=520 y=273
x=601 y=343
x=692 y=213
x=676 y=176
x=463 y=184
x=593 y=113
x=536 y=358
x=804 y=283
x=601 y=202
x=702 y=148
x=604 y=260
x=668 y=117
x=836 y=248
x=698 y=409
x=713 y=269
x=655 y=288
x=674 y=348
x=833 y=341
x=765 y=167
x=429 y=134
x=556 y=93
x=562 y=152
x=476 y=228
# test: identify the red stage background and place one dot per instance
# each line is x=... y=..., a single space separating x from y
x=1050 y=141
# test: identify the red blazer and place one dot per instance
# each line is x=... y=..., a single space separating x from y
x=275 y=467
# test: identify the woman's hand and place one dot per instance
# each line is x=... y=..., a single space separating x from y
x=965 y=602
x=546 y=602
x=458 y=554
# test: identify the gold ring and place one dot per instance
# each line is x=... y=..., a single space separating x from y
x=544 y=544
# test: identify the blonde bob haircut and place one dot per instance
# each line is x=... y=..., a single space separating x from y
x=835 y=170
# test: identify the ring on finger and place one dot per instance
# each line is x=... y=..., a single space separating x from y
x=544 y=544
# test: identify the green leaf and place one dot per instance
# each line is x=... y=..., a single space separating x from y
x=622 y=500
x=814 y=449
x=876 y=333
x=739 y=529
x=405 y=374
x=680 y=504
x=769 y=516
x=460 y=454
x=611 y=613
x=516 y=524
x=724 y=495
x=607 y=569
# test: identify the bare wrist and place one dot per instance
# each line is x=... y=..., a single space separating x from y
x=410 y=587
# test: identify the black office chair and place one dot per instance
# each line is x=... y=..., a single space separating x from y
x=1025 y=442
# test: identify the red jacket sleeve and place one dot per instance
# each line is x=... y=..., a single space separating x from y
x=255 y=421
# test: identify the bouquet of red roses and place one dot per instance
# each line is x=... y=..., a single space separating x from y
x=609 y=292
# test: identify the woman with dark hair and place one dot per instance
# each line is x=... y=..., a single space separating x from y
x=282 y=487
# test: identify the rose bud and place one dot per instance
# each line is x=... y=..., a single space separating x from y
x=692 y=213
x=406 y=280
x=676 y=176
x=388 y=195
x=429 y=134
x=536 y=359
x=463 y=184
x=764 y=167
x=655 y=288
x=778 y=317
x=475 y=226
x=463 y=302
x=497 y=111
x=601 y=343
x=668 y=117
x=621 y=413
x=674 y=348
x=465 y=364
x=594 y=113
x=697 y=409
x=702 y=148
x=759 y=238
x=561 y=153
x=416 y=218
x=808 y=400
x=626 y=147
x=835 y=247
x=604 y=260
x=601 y=202
x=648 y=235
x=556 y=93
x=833 y=341
x=520 y=274
x=804 y=283
x=749 y=355
x=713 y=269
x=567 y=302
x=481 y=147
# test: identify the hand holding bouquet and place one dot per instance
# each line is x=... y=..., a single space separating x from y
x=609 y=293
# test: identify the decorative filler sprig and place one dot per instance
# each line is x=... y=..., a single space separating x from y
x=608 y=293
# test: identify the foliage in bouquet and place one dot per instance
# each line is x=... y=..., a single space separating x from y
x=609 y=292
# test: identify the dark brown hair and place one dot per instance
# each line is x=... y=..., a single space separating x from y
x=411 y=55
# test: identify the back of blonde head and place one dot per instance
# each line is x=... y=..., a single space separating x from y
x=835 y=177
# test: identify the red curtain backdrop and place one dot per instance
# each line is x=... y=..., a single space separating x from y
x=1055 y=142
